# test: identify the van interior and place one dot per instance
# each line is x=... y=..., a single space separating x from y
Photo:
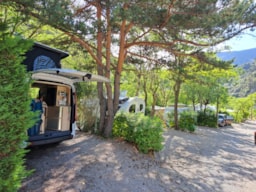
x=56 y=116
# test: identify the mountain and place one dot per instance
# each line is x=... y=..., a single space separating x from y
x=240 y=57
x=246 y=84
x=244 y=59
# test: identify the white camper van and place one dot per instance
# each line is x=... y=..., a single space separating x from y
x=59 y=113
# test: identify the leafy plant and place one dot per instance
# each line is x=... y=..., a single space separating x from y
x=15 y=116
x=145 y=132
x=207 y=118
x=170 y=119
x=148 y=134
x=187 y=120
x=121 y=126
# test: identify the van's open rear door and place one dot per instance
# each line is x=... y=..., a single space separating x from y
x=73 y=75
x=59 y=90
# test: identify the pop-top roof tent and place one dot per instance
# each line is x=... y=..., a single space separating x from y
x=44 y=61
x=43 y=57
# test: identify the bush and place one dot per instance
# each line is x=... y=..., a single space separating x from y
x=170 y=119
x=145 y=132
x=148 y=134
x=147 y=111
x=123 y=127
x=88 y=108
x=15 y=116
x=207 y=119
x=187 y=121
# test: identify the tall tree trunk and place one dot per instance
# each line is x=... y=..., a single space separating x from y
x=176 y=89
x=100 y=70
x=152 y=113
x=121 y=58
x=110 y=115
x=206 y=102
x=145 y=91
x=194 y=104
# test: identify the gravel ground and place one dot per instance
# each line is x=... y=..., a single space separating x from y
x=209 y=160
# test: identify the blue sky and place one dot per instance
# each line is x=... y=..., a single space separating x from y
x=242 y=42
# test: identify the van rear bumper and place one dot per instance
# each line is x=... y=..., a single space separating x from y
x=45 y=141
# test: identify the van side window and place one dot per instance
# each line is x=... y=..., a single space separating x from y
x=132 y=108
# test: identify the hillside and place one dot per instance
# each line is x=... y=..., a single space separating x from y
x=240 y=57
x=247 y=82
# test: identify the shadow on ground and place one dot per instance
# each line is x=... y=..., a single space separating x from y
x=209 y=160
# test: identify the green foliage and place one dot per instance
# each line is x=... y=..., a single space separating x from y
x=87 y=109
x=15 y=116
x=187 y=121
x=147 y=110
x=86 y=89
x=243 y=108
x=207 y=118
x=124 y=125
x=148 y=135
x=145 y=132
x=170 y=119
x=246 y=84
x=87 y=106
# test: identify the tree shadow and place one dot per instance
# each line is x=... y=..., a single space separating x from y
x=209 y=160
x=214 y=159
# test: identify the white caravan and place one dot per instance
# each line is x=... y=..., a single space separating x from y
x=132 y=105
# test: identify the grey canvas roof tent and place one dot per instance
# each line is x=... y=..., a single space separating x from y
x=43 y=57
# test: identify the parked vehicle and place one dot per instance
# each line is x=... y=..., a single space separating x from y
x=59 y=118
x=132 y=105
x=224 y=120
x=221 y=120
x=229 y=120
x=57 y=85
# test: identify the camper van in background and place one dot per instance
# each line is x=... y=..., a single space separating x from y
x=57 y=86
x=131 y=104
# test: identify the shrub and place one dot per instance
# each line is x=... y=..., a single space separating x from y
x=88 y=108
x=148 y=134
x=187 y=121
x=170 y=119
x=207 y=119
x=238 y=117
x=147 y=111
x=122 y=127
x=15 y=116
x=145 y=132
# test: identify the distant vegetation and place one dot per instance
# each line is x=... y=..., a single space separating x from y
x=245 y=61
x=247 y=83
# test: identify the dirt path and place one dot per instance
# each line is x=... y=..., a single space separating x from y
x=209 y=160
